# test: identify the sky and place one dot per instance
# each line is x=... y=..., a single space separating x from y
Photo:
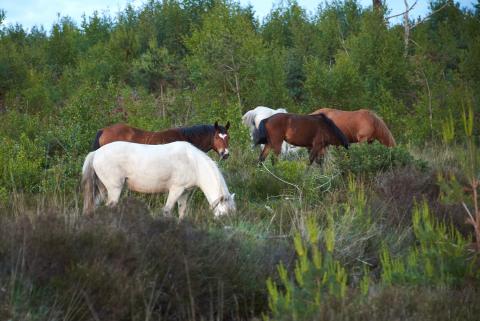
x=44 y=13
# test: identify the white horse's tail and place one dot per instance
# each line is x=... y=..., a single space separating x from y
x=90 y=184
x=248 y=119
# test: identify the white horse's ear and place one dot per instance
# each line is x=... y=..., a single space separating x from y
x=232 y=196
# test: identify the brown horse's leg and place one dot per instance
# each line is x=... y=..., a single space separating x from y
x=264 y=153
x=364 y=135
x=313 y=154
x=320 y=156
x=361 y=138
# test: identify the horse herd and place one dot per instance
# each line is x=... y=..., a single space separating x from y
x=175 y=160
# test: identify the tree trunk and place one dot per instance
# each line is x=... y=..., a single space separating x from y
x=162 y=102
x=377 y=4
x=406 y=27
x=237 y=89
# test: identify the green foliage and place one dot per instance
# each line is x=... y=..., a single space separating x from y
x=369 y=159
x=332 y=87
x=439 y=257
x=223 y=51
x=63 y=46
x=22 y=164
x=154 y=69
x=317 y=277
x=269 y=89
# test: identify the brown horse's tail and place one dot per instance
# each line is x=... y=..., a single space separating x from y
x=336 y=131
x=96 y=142
x=91 y=185
x=382 y=133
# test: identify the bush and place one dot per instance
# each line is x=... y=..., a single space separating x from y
x=369 y=159
x=316 y=277
x=439 y=257
x=22 y=164
x=124 y=265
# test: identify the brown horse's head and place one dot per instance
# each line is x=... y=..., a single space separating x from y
x=220 y=140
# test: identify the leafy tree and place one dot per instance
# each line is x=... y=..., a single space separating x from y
x=290 y=27
x=63 y=46
x=222 y=53
x=97 y=29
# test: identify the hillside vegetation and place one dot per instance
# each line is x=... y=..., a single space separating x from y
x=372 y=233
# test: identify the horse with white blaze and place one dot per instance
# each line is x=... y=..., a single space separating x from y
x=174 y=168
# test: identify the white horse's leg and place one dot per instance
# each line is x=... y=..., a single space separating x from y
x=113 y=196
x=173 y=195
x=111 y=186
x=102 y=194
x=182 y=204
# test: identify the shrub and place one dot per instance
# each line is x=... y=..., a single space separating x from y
x=22 y=164
x=124 y=265
x=368 y=159
x=316 y=277
x=439 y=257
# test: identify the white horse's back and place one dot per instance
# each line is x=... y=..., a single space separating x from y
x=147 y=168
x=252 y=118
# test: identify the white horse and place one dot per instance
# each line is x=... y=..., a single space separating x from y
x=174 y=167
x=252 y=119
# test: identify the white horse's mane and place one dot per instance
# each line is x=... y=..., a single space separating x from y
x=217 y=174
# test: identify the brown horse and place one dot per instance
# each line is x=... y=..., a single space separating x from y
x=204 y=137
x=314 y=132
x=361 y=125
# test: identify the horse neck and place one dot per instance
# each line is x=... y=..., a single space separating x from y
x=204 y=142
x=163 y=137
x=210 y=180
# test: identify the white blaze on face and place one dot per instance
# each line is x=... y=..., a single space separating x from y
x=222 y=136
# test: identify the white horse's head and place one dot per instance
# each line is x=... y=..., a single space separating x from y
x=224 y=205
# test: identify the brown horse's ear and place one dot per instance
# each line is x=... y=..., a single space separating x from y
x=227 y=126
x=216 y=125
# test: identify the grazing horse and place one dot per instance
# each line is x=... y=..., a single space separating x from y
x=361 y=125
x=252 y=119
x=204 y=137
x=172 y=168
x=312 y=131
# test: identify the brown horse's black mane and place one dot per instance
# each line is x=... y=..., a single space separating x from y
x=340 y=135
x=200 y=130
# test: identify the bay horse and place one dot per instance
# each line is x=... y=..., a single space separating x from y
x=315 y=132
x=204 y=137
x=174 y=168
x=361 y=125
x=252 y=118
